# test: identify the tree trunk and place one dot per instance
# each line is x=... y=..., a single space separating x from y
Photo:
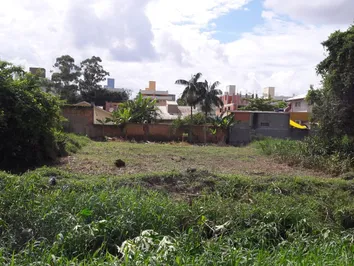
x=191 y=113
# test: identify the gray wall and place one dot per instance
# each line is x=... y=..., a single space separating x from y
x=265 y=124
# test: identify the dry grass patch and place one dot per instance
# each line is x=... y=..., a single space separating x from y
x=99 y=158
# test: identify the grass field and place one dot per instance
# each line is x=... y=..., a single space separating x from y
x=140 y=158
x=175 y=204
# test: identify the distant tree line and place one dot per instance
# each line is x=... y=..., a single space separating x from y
x=74 y=83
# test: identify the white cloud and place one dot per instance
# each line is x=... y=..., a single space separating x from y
x=164 y=12
x=268 y=15
x=315 y=11
x=164 y=40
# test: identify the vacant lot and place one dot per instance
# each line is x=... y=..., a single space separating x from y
x=140 y=158
x=171 y=206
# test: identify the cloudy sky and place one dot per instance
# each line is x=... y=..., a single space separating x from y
x=249 y=43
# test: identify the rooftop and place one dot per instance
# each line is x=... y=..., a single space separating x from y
x=183 y=111
x=298 y=97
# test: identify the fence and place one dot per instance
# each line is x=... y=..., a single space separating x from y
x=80 y=120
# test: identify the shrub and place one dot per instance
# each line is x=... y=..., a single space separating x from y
x=29 y=120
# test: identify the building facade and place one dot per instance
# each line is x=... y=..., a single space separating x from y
x=299 y=104
x=231 y=100
x=161 y=96
x=299 y=109
x=269 y=92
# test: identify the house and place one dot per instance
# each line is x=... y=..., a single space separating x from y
x=172 y=111
x=161 y=96
x=231 y=100
x=299 y=109
x=299 y=104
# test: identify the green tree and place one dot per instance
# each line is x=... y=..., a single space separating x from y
x=259 y=104
x=29 y=120
x=93 y=73
x=314 y=96
x=66 y=78
x=334 y=103
x=280 y=104
x=224 y=123
x=104 y=95
x=140 y=110
x=210 y=97
x=192 y=91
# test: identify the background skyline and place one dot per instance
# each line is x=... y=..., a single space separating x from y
x=250 y=43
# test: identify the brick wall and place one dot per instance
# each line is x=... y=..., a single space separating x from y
x=80 y=121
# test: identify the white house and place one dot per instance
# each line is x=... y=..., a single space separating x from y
x=299 y=104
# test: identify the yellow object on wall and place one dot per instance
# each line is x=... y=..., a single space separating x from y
x=296 y=125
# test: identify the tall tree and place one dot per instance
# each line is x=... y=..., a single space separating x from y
x=260 y=104
x=93 y=73
x=210 y=97
x=65 y=79
x=192 y=91
x=334 y=103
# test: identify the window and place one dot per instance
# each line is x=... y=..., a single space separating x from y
x=297 y=104
x=228 y=108
x=264 y=124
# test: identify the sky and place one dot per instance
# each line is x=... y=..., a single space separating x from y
x=249 y=43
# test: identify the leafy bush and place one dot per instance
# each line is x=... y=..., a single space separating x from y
x=29 y=120
x=140 y=110
x=197 y=119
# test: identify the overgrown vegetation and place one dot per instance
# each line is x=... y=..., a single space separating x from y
x=331 y=148
x=237 y=220
x=333 y=104
x=311 y=153
x=70 y=143
x=30 y=122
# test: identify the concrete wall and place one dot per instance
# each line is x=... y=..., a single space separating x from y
x=263 y=124
x=240 y=134
x=270 y=120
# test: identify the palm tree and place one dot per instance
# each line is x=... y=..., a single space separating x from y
x=210 y=97
x=192 y=91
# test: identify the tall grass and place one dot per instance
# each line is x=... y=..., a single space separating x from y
x=70 y=143
x=307 y=154
x=118 y=221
